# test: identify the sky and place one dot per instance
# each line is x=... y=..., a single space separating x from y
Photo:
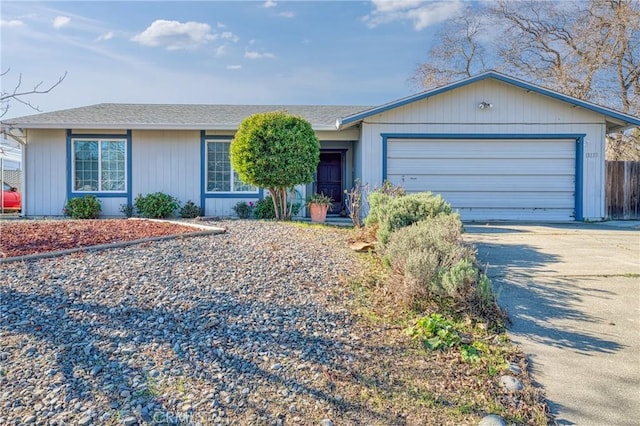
x=216 y=52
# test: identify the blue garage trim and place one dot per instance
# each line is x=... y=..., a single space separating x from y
x=578 y=137
x=203 y=173
x=630 y=120
x=129 y=166
x=579 y=170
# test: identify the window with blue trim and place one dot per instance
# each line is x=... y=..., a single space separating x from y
x=99 y=165
x=220 y=175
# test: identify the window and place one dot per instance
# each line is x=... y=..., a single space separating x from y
x=99 y=165
x=220 y=175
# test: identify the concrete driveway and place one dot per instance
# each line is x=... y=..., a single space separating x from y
x=572 y=292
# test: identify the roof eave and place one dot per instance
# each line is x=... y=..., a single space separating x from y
x=103 y=126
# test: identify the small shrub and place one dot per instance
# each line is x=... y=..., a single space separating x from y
x=156 y=205
x=87 y=207
x=127 y=210
x=378 y=200
x=243 y=209
x=190 y=210
x=435 y=332
x=399 y=212
x=264 y=209
x=421 y=255
x=434 y=267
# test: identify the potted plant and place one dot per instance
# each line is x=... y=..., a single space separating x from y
x=319 y=205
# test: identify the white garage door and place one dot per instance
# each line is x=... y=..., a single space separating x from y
x=490 y=179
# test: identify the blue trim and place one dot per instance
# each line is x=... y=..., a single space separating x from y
x=129 y=166
x=482 y=136
x=579 y=163
x=579 y=184
x=496 y=76
x=69 y=165
x=384 y=157
x=232 y=195
x=204 y=195
x=203 y=166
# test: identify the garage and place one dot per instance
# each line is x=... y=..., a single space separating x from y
x=492 y=177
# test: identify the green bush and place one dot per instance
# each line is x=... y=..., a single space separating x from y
x=127 y=210
x=243 y=209
x=379 y=198
x=423 y=254
x=157 y=205
x=264 y=209
x=190 y=210
x=87 y=207
x=434 y=266
x=394 y=213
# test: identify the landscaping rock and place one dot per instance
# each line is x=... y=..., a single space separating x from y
x=492 y=420
x=511 y=383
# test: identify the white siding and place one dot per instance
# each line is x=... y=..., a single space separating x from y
x=45 y=175
x=514 y=112
x=166 y=161
x=223 y=207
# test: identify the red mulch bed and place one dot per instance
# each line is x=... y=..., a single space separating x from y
x=23 y=237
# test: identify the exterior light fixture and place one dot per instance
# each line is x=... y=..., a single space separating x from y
x=483 y=105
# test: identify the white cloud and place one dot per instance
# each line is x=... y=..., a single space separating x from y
x=228 y=35
x=60 y=21
x=287 y=14
x=422 y=14
x=234 y=67
x=258 y=55
x=221 y=50
x=270 y=3
x=175 y=35
x=11 y=24
x=221 y=25
x=106 y=36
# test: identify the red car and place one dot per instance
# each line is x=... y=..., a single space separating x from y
x=11 y=199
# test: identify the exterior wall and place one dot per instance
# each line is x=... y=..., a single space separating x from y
x=45 y=175
x=166 y=161
x=514 y=112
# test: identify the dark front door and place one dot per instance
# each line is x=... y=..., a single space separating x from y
x=329 y=180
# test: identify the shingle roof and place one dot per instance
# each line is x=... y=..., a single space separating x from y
x=176 y=116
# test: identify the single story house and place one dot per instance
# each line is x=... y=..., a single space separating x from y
x=496 y=148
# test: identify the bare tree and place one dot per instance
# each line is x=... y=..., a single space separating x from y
x=458 y=53
x=589 y=50
x=21 y=95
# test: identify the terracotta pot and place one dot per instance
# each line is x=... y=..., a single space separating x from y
x=318 y=212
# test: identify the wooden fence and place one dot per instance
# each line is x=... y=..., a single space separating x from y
x=623 y=189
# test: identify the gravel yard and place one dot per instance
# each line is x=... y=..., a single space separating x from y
x=251 y=326
x=267 y=324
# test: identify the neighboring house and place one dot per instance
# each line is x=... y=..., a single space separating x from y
x=497 y=148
